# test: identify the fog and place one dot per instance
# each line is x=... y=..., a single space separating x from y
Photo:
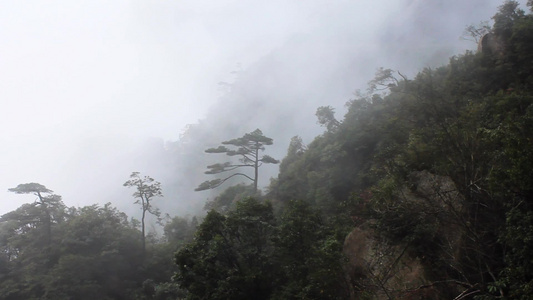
x=93 y=90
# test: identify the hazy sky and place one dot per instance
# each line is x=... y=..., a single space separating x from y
x=114 y=73
x=84 y=84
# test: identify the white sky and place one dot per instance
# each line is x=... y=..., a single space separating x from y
x=115 y=72
x=78 y=76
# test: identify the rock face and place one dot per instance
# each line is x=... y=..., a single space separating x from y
x=378 y=269
x=490 y=44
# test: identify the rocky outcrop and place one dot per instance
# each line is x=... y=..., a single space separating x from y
x=490 y=44
x=378 y=269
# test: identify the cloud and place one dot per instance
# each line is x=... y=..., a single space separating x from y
x=92 y=89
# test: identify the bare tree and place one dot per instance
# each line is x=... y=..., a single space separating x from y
x=474 y=33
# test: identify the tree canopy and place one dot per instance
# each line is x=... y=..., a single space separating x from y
x=422 y=190
x=247 y=149
x=146 y=190
x=31 y=188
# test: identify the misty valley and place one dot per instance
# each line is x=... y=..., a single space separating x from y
x=422 y=189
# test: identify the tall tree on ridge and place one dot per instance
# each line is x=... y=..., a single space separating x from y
x=248 y=147
x=44 y=201
x=147 y=189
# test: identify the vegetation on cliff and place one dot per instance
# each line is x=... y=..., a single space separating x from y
x=423 y=190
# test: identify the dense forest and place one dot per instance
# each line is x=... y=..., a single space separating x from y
x=424 y=190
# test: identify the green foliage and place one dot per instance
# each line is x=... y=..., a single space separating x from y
x=435 y=171
x=440 y=165
x=180 y=230
x=94 y=254
x=518 y=236
x=48 y=204
x=326 y=117
x=309 y=255
x=98 y=247
x=227 y=200
x=291 y=184
x=506 y=17
x=30 y=188
x=229 y=256
x=246 y=254
x=521 y=51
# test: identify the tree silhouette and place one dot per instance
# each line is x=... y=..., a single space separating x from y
x=147 y=189
x=44 y=201
x=248 y=147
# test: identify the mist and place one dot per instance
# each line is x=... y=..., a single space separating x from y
x=94 y=90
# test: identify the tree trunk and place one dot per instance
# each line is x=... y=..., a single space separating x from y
x=48 y=227
x=47 y=220
x=142 y=226
x=256 y=167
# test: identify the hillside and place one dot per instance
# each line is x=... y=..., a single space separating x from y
x=425 y=183
x=422 y=190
